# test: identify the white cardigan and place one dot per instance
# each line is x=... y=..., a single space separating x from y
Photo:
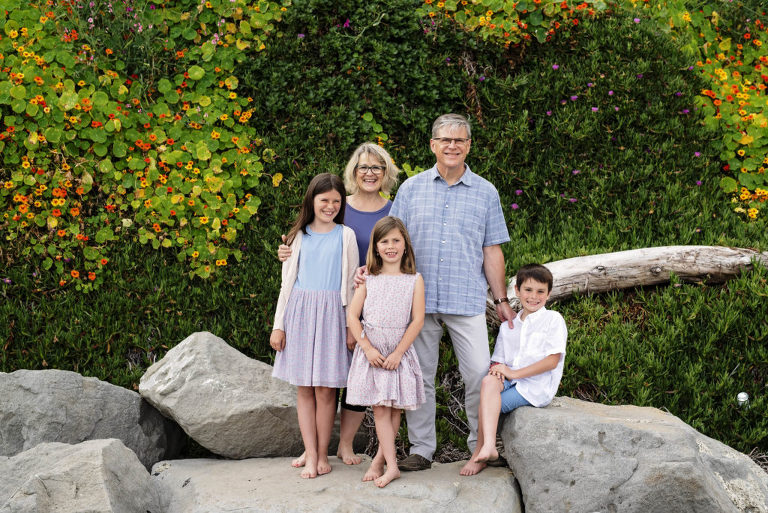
x=349 y=261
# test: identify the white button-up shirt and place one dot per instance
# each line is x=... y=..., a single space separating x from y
x=541 y=334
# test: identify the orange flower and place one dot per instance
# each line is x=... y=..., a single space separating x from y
x=74 y=211
x=91 y=275
x=75 y=274
x=108 y=51
x=103 y=261
x=56 y=212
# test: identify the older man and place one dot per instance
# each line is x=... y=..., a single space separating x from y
x=456 y=224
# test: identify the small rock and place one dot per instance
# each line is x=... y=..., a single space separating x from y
x=96 y=476
x=61 y=406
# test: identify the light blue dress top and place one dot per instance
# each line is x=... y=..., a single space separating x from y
x=320 y=260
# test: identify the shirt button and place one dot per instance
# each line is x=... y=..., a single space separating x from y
x=442 y=242
x=441 y=259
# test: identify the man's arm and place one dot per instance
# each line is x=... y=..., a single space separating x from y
x=493 y=267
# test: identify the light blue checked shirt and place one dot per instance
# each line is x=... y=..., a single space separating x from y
x=449 y=226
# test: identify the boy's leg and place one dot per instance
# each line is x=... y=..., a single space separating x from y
x=421 y=422
x=469 y=335
x=490 y=406
x=325 y=399
x=306 y=409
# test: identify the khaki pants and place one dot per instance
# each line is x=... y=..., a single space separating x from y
x=469 y=336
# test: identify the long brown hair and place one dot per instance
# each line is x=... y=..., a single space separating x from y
x=382 y=227
x=321 y=183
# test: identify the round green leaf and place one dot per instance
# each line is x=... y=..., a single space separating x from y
x=105 y=166
x=19 y=92
x=196 y=72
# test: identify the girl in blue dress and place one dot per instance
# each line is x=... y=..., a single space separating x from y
x=309 y=332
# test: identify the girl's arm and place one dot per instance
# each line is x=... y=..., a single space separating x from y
x=546 y=364
x=354 y=309
x=417 y=322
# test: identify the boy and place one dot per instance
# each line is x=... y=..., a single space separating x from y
x=526 y=365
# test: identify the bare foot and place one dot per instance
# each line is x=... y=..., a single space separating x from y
x=348 y=456
x=485 y=454
x=310 y=468
x=323 y=467
x=472 y=467
x=375 y=471
x=390 y=475
x=300 y=461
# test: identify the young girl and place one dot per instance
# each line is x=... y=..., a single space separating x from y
x=309 y=332
x=385 y=371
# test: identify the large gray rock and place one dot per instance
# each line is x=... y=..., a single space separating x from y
x=576 y=456
x=256 y=485
x=62 y=406
x=97 y=476
x=227 y=402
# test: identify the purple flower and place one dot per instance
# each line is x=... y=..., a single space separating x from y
x=696 y=154
x=482 y=78
x=595 y=109
x=572 y=200
x=610 y=93
x=563 y=102
x=686 y=111
x=67 y=260
x=515 y=206
x=300 y=36
x=518 y=192
x=447 y=59
x=616 y=109
x=346 y=23
x=7 y=281
x=690 y=68
x=562 y=195
x=590 y=84
x=555 y=67
x=575 y=171
x=698 y=183
x=636 y=20
x=639 y=75
x=574 y=98
x=678 y=93
x=549 y=113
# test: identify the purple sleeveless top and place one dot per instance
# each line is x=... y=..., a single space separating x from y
x=362 y=224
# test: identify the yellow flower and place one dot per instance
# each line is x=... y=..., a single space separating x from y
x=752 y=213
x=276 y=179
x=215 y=134
x=13 y=34
x=203 y=220
x=232 y=96
x=223 y=117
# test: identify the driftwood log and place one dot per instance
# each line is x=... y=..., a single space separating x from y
x=640 y=267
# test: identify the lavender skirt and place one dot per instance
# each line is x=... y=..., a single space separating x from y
x=315 y=351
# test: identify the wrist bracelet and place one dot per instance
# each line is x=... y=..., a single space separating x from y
x=501 y=300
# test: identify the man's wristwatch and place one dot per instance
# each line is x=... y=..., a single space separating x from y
x=501 y=300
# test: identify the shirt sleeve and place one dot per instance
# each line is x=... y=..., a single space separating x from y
x=498 y=349
x=495 y=226
x=557 y=334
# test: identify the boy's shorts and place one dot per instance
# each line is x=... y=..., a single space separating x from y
x=511 y=398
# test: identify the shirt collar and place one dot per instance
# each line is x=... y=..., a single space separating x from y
x=538 y=313
x=466 y=178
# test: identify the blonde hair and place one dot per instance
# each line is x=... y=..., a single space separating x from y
x=382 y=227
x=389 y=178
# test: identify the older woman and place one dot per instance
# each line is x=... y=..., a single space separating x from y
x=369 y=173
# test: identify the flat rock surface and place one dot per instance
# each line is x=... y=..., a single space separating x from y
x=271 y=484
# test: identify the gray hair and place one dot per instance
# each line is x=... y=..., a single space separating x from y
x=451 y=121
x=389 y=178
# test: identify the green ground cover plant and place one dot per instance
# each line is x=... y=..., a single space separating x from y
x=595 y=139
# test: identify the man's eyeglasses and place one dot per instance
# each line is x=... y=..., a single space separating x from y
x=364 y=170
x=446 y=141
